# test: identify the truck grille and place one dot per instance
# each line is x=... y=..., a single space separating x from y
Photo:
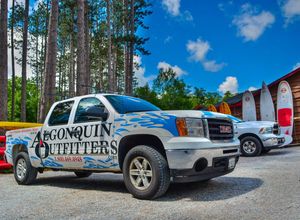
x=276 y=129
x=220 y=129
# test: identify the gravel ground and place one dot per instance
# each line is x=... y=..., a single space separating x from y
x=265 y=187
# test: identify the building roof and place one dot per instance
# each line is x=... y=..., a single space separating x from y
x=236 y=100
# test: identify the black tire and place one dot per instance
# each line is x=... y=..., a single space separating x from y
x=265 y=151
x=22 y=162
x=252 y=142
x=82 y=174
x=160 y=174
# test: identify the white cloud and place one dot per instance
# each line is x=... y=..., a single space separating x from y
x=251 y=24
x=212 y=66
x=198 y=50
x=291 y=9
x=139 y=72
x=165 y=66
x=230 y=84
x=187 y=16
x=168 y=39
x=296 y=66
x=172 y=6
x=252 y=88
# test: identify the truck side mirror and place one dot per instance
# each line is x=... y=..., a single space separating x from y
x=95 y=113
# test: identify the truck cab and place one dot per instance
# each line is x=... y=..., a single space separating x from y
x=123 y=134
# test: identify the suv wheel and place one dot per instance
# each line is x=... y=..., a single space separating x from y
x=250 y=147
x=146 y=173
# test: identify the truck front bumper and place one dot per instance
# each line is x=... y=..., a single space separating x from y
x=272 y=141
x=201 y=164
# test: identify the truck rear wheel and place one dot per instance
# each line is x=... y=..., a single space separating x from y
x=24 y=173
x=250 y=146
x=146 y=173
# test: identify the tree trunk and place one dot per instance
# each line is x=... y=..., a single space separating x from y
x=3 y=61
x=126 y=49
x=109 y=57
x=72 y=59
x=87 y=47
x=48 y=95
x=131 y=47
x=13 y=74
x=24 y=62
x=82 y=88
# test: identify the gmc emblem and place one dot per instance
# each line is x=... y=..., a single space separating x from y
x=225 y=129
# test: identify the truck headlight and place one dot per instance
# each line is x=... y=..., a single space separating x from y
x=266 y=130
x=191 y=127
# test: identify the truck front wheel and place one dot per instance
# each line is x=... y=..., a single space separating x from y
x=146 y=173
x=24 y=173
x=250 y=146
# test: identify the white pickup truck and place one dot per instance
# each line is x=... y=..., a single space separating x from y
x=257 y=136
x=115 y=133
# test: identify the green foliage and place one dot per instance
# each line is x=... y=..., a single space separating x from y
x=227 y=95
x=170 y=93
x=32 y=100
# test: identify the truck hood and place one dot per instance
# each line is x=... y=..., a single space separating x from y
x=255 y=124
x=195 y=114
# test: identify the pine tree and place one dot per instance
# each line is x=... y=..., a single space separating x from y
x=3 y=61
x=48 y=94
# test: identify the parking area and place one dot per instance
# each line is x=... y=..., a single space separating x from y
x=265 y=187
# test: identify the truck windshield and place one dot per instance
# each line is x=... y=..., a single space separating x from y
x=126 y=104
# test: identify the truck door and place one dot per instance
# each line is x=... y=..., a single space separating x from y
x=93 y=122
x=54 y=137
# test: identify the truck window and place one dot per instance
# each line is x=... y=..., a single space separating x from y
x=88 y=109
x=61 y=113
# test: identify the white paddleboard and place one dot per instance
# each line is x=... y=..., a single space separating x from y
x=285 y=109
x=249 y=108
x=267 y=111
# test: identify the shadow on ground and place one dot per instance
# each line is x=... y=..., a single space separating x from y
x=213 y=190
x=216 y=189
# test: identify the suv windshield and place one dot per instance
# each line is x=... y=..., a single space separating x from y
x=126 y=104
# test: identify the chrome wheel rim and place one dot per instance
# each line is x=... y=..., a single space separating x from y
x=21 y=169
x=140 y=172
x=249 y=147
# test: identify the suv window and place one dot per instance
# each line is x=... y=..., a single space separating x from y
x=88 y=110
x=61 y=113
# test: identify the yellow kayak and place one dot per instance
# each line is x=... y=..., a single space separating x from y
x=8 y=125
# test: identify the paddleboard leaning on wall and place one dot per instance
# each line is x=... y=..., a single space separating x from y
x=267 y=110
x=249 y=108
x=285 y=110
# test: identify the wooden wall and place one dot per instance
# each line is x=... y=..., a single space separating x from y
x=294 y=82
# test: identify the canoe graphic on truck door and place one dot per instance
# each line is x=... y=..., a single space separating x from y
x=77 y=136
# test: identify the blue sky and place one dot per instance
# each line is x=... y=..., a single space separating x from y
x=222 y=45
